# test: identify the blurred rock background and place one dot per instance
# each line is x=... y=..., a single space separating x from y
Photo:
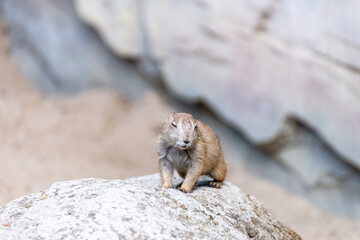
x=86 y=84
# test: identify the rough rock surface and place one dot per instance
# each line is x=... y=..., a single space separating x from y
x=137 y=208
x=253 y=62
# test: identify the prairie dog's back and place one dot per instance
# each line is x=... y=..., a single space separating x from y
x=211 y=143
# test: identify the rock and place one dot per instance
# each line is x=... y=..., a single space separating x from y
x=253 y=63
x=137 y=208
x=60 y=54
x=301 y=151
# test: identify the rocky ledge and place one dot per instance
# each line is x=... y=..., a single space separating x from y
x=138 y=208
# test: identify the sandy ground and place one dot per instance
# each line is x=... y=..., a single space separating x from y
x=100 y=134
x=94 y=134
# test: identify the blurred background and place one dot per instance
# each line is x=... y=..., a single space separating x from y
x=86 y=84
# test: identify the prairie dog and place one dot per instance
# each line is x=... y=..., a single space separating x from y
x=192 y=149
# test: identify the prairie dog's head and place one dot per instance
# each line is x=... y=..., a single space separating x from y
x=180 y=130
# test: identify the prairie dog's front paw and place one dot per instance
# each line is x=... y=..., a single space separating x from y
x=185 y=189
x=166 y=185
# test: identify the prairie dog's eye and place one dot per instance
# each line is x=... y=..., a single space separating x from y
x=174 y=124
x=195 y=127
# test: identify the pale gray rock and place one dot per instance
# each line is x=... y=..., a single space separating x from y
x=138 y=208
x=60 y=54
x=301 y=151
x=253 y=62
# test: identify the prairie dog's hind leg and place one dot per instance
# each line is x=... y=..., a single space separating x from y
x=218 y=174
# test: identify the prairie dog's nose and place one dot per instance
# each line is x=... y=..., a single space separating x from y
x=186 y=141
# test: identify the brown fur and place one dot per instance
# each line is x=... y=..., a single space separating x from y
x=192 y=149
